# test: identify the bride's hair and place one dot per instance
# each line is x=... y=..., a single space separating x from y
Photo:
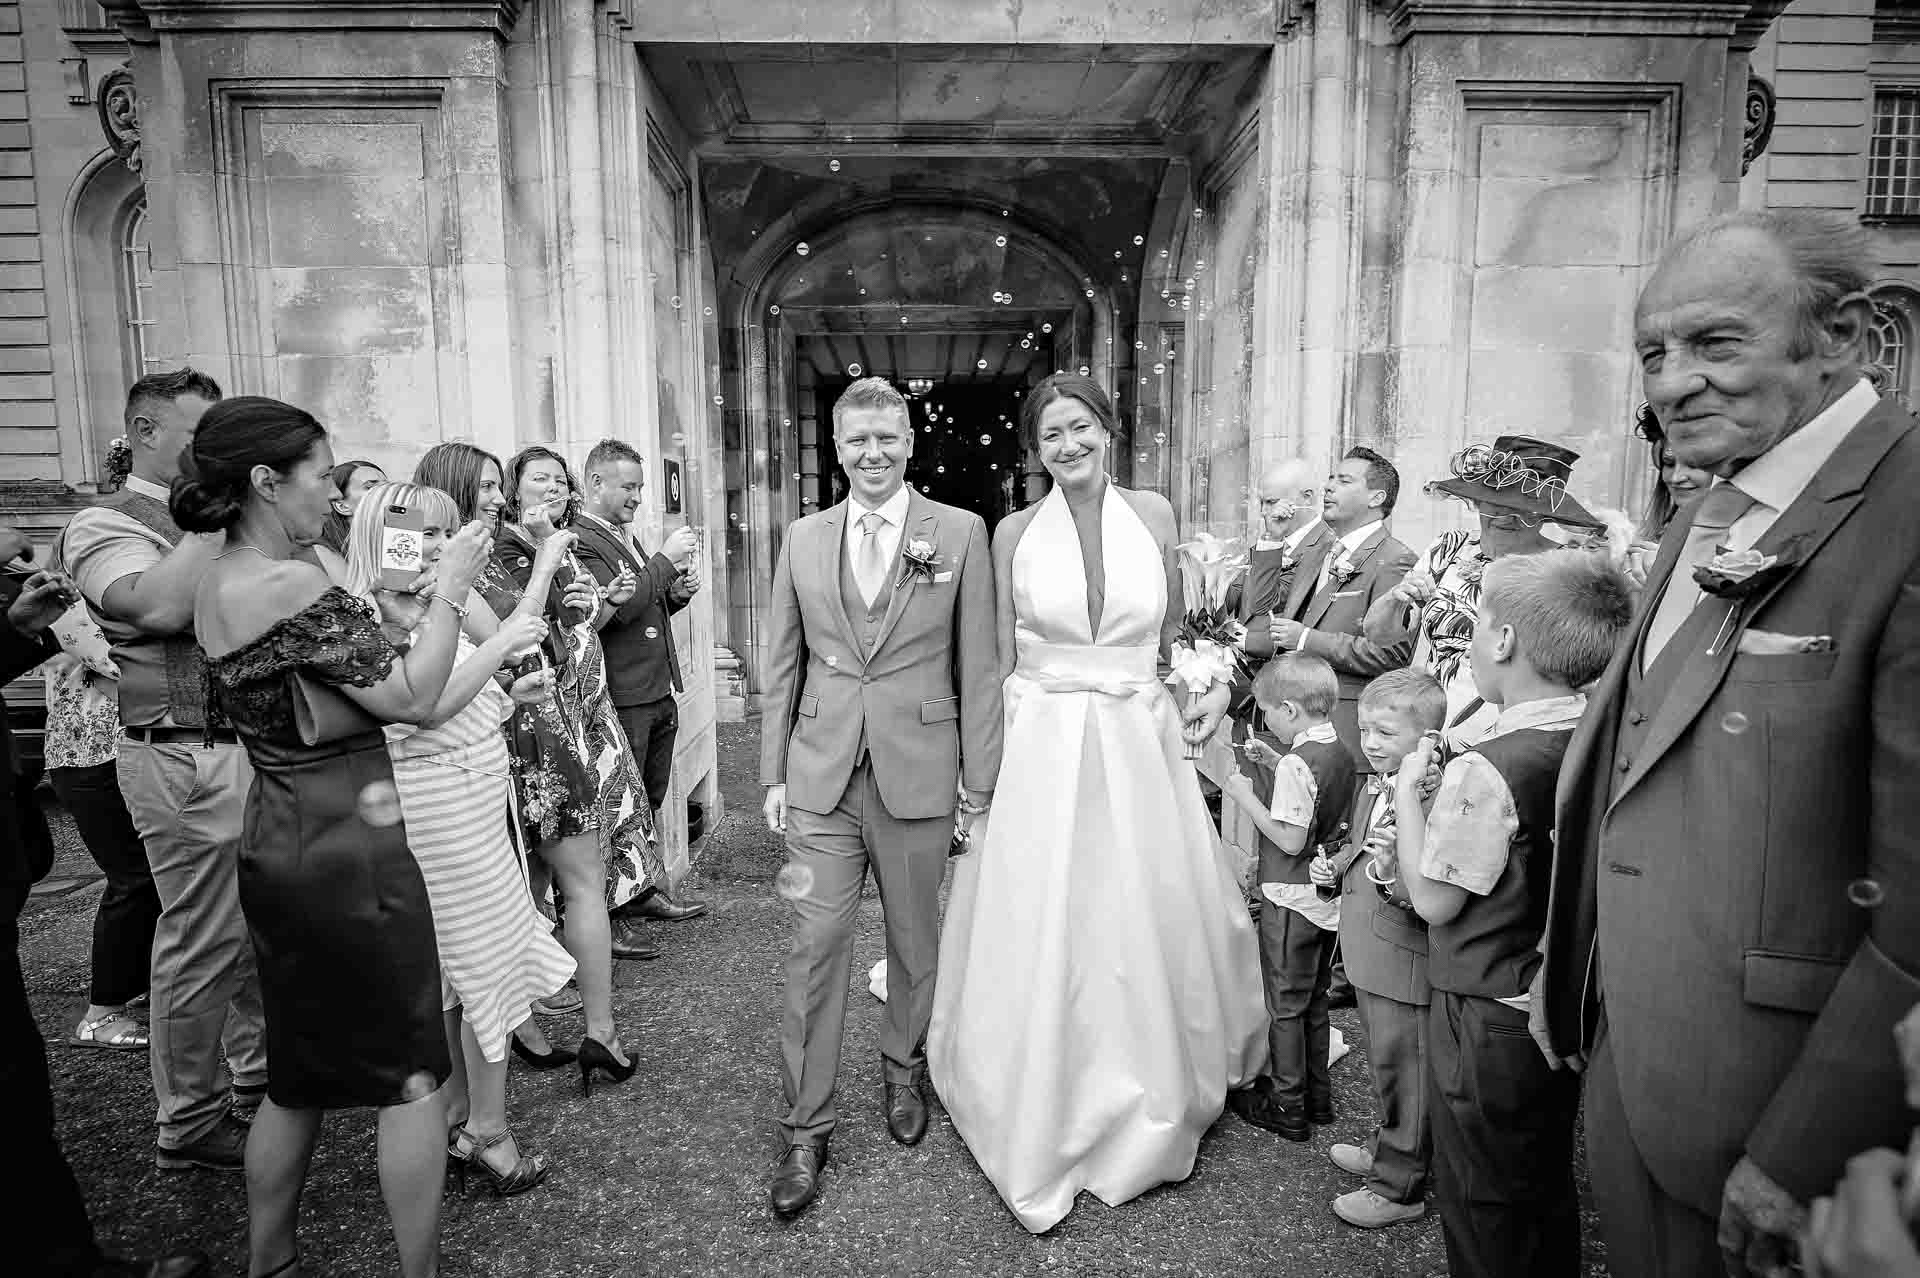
x=1069 y=386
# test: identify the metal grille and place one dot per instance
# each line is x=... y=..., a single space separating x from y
x=1890 y=343
x=136 y=289
x=1893 y=158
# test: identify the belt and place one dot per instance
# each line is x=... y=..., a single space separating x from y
x=182 y=736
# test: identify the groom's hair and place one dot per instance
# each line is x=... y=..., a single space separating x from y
x=867 y=393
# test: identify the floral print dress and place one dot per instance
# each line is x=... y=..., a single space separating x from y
x=573 y=766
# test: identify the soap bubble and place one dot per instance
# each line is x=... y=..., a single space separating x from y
x=981 y=366
x=1089 y=292
x=1139 y=240
x=1734 y=722
x=794 y=882
x=774 y=309
x=854 y=370
x=833 y=165
x=939 y=470
x=1160 y=437
x=678 y=437
x=709 y=310
x=986 y=440
x=802 y=249
x=1046 y=328
x=1085 y=371
x=674 y=301
x=380 y=805
x=999 y=241
x=1866 y=893
x=719 y=400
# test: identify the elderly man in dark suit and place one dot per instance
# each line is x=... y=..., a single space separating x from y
x=1735 y=915
x=1291 y=534
x=643 y=672
x=1334 y=586
x=56 y=1238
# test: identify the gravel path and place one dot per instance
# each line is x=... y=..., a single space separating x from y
x=665 y=1175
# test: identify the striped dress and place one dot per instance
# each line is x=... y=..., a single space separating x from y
x=496 y=953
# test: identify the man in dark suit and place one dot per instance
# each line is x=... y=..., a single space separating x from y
x=1291 y=533
x=643 y=672
x=57 y=1238
x=1334 y=587
x=1735 y=915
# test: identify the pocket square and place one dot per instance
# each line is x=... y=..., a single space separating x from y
x=1766 y=643
x=939 y=577
x=1345 y=594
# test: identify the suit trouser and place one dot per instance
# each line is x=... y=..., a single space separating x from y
x=828 y=853
x=42 y=1215
x=187 y=803
x=130 y=907
x=1502 y=1143
x=1296 y=960
x=1648 y=1232
x=1402 y=1144
x=651 y=729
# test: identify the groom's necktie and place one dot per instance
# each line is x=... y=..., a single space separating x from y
x=1718 y=510
x=869 y=566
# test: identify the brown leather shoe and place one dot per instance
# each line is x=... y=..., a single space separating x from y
x=796 y=1181
x=628 y=943
x=906 y=1112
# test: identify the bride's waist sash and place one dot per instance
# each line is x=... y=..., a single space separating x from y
x=1109 y=669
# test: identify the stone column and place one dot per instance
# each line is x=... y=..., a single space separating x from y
x=328 y=200
x=1549 y=154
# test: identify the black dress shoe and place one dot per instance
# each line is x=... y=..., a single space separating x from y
x=1340 y=995
x=796 y=1181
x=1259 y=1106
x=1320 y=1115
x=628 y=943
x=661 y=906
x=906 y=1112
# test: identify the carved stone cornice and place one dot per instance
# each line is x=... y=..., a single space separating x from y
x=496 y=16
x=1568 y=17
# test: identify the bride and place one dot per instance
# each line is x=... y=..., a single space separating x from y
x=1099 y=979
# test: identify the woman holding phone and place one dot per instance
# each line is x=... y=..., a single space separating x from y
x=451 y=768
x=561 y=815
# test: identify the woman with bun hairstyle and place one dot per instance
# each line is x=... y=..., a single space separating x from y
x=496 y=953
x=341 y=925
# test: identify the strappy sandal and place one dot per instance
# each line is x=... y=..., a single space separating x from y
x=133 y=1038
x=468 y=1154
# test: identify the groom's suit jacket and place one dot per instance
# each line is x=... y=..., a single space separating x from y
x=1712 y=815
x=925 y=698
x=1335 y=616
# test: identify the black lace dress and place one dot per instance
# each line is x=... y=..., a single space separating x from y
x=341 y=925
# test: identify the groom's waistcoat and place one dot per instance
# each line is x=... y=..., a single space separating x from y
x=866 y=618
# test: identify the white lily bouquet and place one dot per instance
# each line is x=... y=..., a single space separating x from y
x=1208 y=648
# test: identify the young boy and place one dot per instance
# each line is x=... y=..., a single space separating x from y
x=1477 y=869
x=1308 y=792
x=1385 y=944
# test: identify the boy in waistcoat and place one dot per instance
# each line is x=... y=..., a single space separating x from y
x=1299 y=802
x=1385 y=944
x=1477 y=868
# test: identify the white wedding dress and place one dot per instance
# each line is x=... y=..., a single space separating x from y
x=1099 y=986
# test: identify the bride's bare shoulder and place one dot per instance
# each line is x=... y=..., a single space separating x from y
x=1007 y=534
x=1155 y=511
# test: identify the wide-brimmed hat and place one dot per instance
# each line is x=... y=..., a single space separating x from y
x=1520 y=474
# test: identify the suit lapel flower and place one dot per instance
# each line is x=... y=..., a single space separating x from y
x=1344 y=570
x=1741 y=574
x=918 y=559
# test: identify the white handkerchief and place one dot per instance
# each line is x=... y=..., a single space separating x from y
x=939 y=577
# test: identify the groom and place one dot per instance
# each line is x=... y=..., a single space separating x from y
x=882 y=703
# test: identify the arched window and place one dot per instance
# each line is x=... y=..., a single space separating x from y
x=1890 y=341
x=136 y=289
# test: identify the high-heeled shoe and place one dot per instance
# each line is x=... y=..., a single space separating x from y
x=554 y=1057
x=469 y=1153
x=595 y=1057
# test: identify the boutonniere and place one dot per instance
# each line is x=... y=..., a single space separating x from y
x=919 y=558
x=1344 y=569
x=1740 y=574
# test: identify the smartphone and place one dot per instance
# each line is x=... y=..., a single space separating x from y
x=402 y=531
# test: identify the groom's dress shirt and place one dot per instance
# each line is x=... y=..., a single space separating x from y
x=893 y=511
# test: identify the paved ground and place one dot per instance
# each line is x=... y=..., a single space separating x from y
x=664 y=1175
